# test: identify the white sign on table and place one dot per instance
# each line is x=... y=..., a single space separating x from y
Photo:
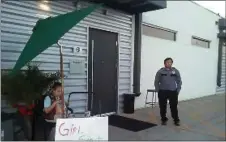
x=91 y=128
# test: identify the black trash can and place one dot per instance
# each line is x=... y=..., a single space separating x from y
x=128 y=103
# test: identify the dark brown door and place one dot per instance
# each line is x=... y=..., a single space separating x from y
x=103 y=71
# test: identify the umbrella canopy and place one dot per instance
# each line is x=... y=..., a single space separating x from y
x=48 y=31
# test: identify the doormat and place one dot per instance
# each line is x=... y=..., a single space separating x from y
x=128 y=123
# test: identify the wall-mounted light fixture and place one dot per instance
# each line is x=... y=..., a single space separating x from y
x=44 y=7
x=45 y=1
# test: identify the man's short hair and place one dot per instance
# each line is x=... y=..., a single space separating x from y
x=168 y=59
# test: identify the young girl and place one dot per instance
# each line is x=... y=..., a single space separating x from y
x=53 y=110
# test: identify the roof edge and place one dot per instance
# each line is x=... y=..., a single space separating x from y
x=207 y=9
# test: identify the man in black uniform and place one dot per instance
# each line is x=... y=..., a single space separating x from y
x=168 y=84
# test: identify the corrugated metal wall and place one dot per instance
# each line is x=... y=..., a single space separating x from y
x=19 y=17
x=222 y=89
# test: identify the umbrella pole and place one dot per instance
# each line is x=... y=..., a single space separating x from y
x=61 y=74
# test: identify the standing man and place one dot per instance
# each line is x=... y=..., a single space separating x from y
x=168 y=84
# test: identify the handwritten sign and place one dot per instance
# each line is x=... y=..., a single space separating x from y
x=92 y=128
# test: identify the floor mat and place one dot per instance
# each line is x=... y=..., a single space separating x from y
x=129 y=123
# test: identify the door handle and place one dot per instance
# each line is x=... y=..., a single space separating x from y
x=92 y=61
x=92 y=45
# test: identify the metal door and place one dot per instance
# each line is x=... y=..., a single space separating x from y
x=103 y=71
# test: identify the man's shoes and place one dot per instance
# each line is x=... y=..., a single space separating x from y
x=164 y=121
x=177 y=123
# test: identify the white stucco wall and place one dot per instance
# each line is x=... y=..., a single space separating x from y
x=197 y=65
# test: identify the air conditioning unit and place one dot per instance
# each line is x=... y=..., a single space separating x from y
x=222 y=24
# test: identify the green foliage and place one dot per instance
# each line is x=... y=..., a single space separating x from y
x=27 y=85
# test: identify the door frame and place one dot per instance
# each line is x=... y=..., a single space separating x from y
x=89 y=95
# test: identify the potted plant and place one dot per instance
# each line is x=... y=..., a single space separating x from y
x=22 y=89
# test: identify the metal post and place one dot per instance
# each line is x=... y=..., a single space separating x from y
x=91 y=107
x=137 y=54
x=62 y=75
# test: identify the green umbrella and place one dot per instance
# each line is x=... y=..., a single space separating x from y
x=48 y=31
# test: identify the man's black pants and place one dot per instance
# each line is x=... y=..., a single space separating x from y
x=172 y=96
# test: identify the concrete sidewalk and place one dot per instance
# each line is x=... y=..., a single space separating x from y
x=201 y=119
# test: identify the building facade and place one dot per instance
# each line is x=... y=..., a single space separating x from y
x=102 y=44
x=19 y=17
x=186 y=32
x=99 y=53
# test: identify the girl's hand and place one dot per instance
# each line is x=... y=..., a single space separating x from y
x=55 y=103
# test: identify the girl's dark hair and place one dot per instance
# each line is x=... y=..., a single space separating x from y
x=56 y=85
x=168 y=59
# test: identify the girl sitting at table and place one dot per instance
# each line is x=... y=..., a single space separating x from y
x=53 y=110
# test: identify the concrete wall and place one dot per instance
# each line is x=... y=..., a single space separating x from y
x=198 y=66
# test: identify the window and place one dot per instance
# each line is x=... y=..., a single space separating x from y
x=200 y=42
x=155 y=31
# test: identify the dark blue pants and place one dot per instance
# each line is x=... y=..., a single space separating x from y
x=172 y=96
